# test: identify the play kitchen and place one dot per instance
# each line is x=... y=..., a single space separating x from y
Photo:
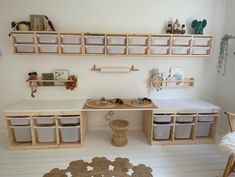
x=35 y=124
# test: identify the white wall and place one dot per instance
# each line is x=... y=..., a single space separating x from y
x=225 y=94
x=133 y=16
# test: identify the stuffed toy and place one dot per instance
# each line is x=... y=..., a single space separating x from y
x=71 y=85
x=32 y=84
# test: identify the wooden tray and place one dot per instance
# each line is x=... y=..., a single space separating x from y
x=100 y=104
x=135 y=103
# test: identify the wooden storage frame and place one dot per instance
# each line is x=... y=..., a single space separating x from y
x=148 y=46
x=148 y=128
x=36 y=145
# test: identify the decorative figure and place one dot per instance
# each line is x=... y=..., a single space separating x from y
x=183 y=29
x=199 y=26
x=176 y=28
x=33 y=84
x=21 y=26
x=48 y=26
x=156 y=79
x=169 y=29
x=71 y=85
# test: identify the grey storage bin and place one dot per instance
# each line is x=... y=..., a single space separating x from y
x=70 y=134
x=44 y=120
x=161 y=131
x=47 y=38
x=71 y=39
x=22 y=133
x=184 y=118
x=24 y=38
x=203 y=129
x=183 y=131
x=25 y=48
x=19 y=120
x=46 y=134
x=206 y=117
x=160 y=118
x=69 y=119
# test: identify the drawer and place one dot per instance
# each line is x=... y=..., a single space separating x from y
x=183 y=131
x=69 y=119
x=94 y=49
x=139 y=50
x=25 y=48
x=44 y=120
x=200 y=50
x=116 y=50
x=22 y=133
x=19 y=120
x=48 y=48
x=161 y=131
x=116 y=40
x=206 y=117
x=46 y=134
x=201 y=41
x=180 y=40
x=24 y=38
x=180 y=50
x=94 y=40
x=137 y=40
x=162 y=118
x=76 y=49
x=70 y=134
x=70 y=39
x=184 y=118
x=159 y=50
x=160 y=40
x=47 y=38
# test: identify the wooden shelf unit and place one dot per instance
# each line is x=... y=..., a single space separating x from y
x=106 y=44
x=192 y=138
x=34 y=142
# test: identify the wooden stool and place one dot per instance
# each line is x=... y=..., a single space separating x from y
x=119 y=128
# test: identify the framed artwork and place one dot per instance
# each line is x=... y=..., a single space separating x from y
x=48 y=76
x=60 y=75
x=178 y=75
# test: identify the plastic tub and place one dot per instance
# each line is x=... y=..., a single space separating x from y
x=44 y=120
x=48 y=48
x=203 y=129
x=206 y=117
x=158 y=118
x=184 y=118
x=137 y=50
x=181 y=40
x=70 y=134
x=116 y=40
x=179 y=50
x=93 y=39
x=160 y=40
x=200 y=50
x=71 y=49
x=137 y=40
x=19 y=120
x=116 y=49
x=47 y=38
x=69 y=119
x=71 y=39
x=94 y=49
x=24 y=38
x=183 y=131
x=201 y=41
x=25 y=48
x=22 y=133
x=46 y=134
x=161 y=131
x=159 y=50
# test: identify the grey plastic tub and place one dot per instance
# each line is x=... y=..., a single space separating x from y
x=183 y=131
x=69 y=119
x=160 y=118
x=184 y=118
x=70 y=134
x=46 y=134
x=203 y=129
x=206 y=117
x=19 y=120
x=44 y=120
x=22 y=133
x=161 y=131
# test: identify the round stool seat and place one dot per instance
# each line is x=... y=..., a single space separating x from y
x=119 y=128
x=227 y=144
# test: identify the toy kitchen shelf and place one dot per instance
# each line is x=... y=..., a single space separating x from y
x=40 y=42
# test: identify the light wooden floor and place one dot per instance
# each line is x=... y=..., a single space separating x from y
x=167 y=161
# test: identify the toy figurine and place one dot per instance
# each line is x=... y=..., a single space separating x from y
x=169 y=29
x=199 y=26
x=73 y=84
x=33 y=84
x=183 y=29
x=176 y=28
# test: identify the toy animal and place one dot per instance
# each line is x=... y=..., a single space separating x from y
x=156 y=79
x=33 y=84
x=199 y=26
x=73 y=84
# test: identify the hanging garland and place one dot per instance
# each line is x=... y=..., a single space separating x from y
x=221 y=66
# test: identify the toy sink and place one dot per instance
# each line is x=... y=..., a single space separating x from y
x=97 y=103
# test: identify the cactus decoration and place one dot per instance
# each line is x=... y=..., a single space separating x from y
x=221 y=66
x=198 y=26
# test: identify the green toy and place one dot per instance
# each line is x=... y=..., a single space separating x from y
x=199 y=26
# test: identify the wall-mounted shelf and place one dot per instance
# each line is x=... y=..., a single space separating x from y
x=41 y=82
x=114 y=69
x=39 y=42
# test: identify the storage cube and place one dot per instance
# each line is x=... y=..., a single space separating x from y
x=203 y=129
x=24 y=38
x=179 y=50
x=201 y=41
x=180 y=40
x=22 y=133
x=200 y=50
x=19 y=120
x=206 y=118
x=47 y=38
x=70 y=134
x=116 y=40
x=116 y=50
x=161 y=131
x=183 y=131
x=76 y=49
x=25 y=48
x=158 y=118
x=46 y=134
x=44 y=120
x=137 y=40
x=71 y=39
x=48 y=48
x=94 y=40
x=137 y=50
x=160 y=40
x=184 y=118
x=159 y=50
x=69 y=119
x=94 y=49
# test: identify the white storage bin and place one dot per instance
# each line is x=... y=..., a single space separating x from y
x=180 y=40
x=160 y=40
x=44 y=120
x=116 y=50
x=179 y=50
x=137 y=40
x=183 y=130
x=71 y=48
x=116 y=40
x=95 y=40
x=48 y=48
x=206 y=117
x=200 y=50
x=201 y=41
x=70 y=134
x=24 y=38
x=46 y=134
x=47 y=38
x=137 y=50
x=94 y=49
x=184 y=118
x=158 y=118
x=69 y=119
x=159 y=50
x=25 y=48
x=19 y=120
x=203 y=129
x=161 y=131
x=71 y=39
x=22 y=133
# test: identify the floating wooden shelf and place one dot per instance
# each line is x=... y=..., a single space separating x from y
x=62 y=43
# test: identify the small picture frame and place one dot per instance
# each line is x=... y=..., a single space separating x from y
x=178 y=74
x=36 y=22
x=60 y=75
x=48 y=76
